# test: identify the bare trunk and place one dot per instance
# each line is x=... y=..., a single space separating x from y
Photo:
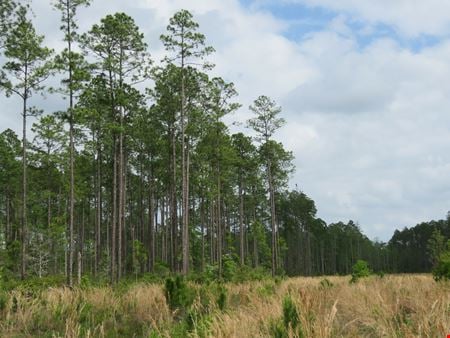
x=163 y=230
x=24 y=190
x=151 y=226
x=241 y=225
x=173 y=204
x=79 y=266
x=202 y=221
x=212 y=219
x=114 y=215
x=272 y=221
x=184 y=199
x=219 y=225
x=71 y=153
x=98 y=212
x=121 y=201
x=124 y=205
x=8 y=219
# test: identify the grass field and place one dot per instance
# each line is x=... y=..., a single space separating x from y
x=392 y=306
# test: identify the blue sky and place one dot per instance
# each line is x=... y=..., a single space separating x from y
x=304 y=19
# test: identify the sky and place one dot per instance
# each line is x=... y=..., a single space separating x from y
x=364 y=86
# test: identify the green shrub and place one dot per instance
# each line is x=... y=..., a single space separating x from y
x=442 y=269
x=360 y=270
x=277 y=329
x=290 y=313
x=229 y=267
x=161 y=269
x=3 y=300
x=222 y=298
x=178 y=294
x=15 y=305
x=267 y=289
x=290 y=322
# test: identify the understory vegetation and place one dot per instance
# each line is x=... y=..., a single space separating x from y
x=392 y=306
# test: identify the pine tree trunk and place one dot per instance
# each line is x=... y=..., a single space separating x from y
x=121 y=201
x=151 y=225
x=173 y=203
x=184 y=189
x=98 y=208
x=272 y=220
x=219 y=225
x=114 y=215
x=71 y=154
x=202 y=221
x=241 y=225
x=24 y=190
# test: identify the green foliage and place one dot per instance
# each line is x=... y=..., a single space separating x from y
x=6 y=15
x=277 y=329
x=435 y=246
x=140 y=255
x=442 y=269
x=161 y=269
x=26 y=59
x=267 y=289
x=12 y=255
x=230 y=267
x=183 y=39
x=15 y=304
x=290 y=313
x=360 y=270
x=290 y=322
x=266 y=121
x=178 y=294
x=3 y=300
x=222 y=299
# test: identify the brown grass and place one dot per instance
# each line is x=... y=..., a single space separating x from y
x=393 y=306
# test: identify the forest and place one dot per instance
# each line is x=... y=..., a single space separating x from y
x=140 y=174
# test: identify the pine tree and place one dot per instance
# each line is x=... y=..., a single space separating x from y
x=77 y=72
x=120 y=50
x=24 y=72
x=188 y=50
x=265 y=123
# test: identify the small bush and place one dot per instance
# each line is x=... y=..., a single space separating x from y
x=15 y=305
x=222 y=298
x=360 y=270
x=277 y=329
x=161 y=269
x=178 y=294
x=290 y=322
x=3 y=301
x=290 y=313
x=442 y=269
x=267 y=289
x=230 y=267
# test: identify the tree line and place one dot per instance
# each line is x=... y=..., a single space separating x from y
x=139 y=172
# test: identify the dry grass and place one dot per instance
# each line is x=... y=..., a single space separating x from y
x=393 y=306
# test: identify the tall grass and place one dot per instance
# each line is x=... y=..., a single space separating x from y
x=393 y=306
